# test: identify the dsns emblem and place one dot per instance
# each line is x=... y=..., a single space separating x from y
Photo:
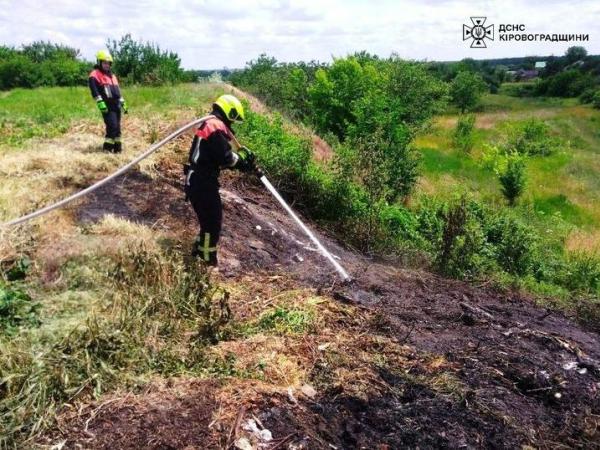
x=478 y=32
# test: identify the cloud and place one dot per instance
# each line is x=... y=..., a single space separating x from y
x=214 y=34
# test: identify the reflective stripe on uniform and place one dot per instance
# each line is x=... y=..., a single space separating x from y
x=109 y=141
x=206 y=248
x=235 y=159
x=196 y=154
x=117 y=140
x=189 y=177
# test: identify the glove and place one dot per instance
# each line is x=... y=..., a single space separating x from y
x=102 y=106
x=123 y=104
x=247 y=161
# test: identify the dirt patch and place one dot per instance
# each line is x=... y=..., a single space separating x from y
x=471 y=366
x=174 y=415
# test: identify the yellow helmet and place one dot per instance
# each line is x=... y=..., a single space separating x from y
x=103 y=55
x=231 y=107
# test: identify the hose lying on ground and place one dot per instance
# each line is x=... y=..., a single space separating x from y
x=93 y=187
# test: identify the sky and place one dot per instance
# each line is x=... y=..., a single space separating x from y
x=210 y=34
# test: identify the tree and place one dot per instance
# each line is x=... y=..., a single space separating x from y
x=553 y=66
x=466 y=90
x=575 y=53
x=335 y=90
x=398 y=100
x=140 y=62
x=41 y=51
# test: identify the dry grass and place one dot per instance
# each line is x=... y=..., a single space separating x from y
x=584 y=241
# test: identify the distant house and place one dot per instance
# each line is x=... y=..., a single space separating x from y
x=539 y=65
x=524 y=75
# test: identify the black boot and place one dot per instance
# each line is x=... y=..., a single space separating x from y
x=108 y=147
x=118 y=147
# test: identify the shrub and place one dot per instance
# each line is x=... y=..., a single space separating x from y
x=596 y=100
x=466 y=90
x=463 y=134
x=335 y=90
x=570 y=83
x=588 y=95
x=513 y=178
x=582 y=273
x=42 y=64
x=513 y=242
x=284 y=156
x=463 y=252
x=532 y=138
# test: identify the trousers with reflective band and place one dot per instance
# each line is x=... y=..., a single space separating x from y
x=209 y=210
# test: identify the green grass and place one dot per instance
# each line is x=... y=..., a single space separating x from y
x=49 y=112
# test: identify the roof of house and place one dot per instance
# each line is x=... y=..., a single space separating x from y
x=540 y=64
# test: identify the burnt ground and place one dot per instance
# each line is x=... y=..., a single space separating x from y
x=509 y=373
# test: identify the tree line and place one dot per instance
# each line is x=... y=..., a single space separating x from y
x=44 y=63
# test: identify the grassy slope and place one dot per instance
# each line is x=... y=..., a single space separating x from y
x=565 y=185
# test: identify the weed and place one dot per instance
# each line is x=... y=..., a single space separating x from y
x=286 y=321
x=16 y=309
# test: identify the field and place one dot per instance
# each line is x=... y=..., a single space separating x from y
x=563 y=189
x=110 y=337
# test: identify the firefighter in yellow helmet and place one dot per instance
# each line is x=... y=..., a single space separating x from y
x=104 y=87
x=210 y=152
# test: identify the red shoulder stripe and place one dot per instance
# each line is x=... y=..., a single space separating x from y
x=210 y=126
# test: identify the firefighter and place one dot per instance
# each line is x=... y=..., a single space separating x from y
x=210 y=152
x=105 y=90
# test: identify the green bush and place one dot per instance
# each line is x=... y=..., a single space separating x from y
x=42 y=64
x=280 y=85
x=334 y=91
x=570 y=83
x=588 y=95
x=463 y=133
x=581 y=273
x=514 y=244
x=513 y=178
x=596 y=100
x=532 y=138
x=284 y=156
x=464 y=251
x=466 y=90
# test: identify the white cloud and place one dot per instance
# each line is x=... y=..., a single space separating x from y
x=214 y=34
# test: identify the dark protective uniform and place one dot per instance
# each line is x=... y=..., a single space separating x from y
x=105 y=86
x=209 y=153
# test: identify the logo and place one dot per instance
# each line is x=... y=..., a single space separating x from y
x=478 y=32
